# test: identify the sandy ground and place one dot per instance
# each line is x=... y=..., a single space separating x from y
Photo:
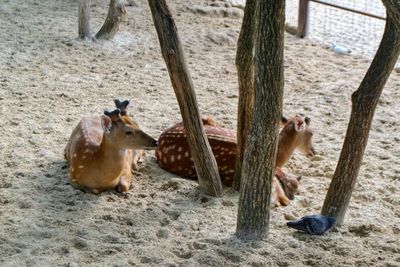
x=49 y=80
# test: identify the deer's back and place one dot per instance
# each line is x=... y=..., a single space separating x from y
x=86 y=136
x=173 y=153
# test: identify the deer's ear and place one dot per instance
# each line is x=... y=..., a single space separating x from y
x=299 y=178
x=106 y=123
x=307 y=120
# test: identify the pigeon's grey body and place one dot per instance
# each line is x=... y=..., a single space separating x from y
x=313 y=224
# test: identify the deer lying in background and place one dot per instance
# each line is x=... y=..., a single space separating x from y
x=173 y=153
x=100 y=151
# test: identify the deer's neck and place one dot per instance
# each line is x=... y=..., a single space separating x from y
x=112 y=157
x=286 y=146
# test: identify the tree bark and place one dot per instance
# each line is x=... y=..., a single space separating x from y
x=116 y=12
x=364 y=102
x=172 y=51
x=393 y=10
x=84 y=20
x=261 y=145
x=244 y=65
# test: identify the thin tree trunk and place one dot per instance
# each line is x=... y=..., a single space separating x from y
x=261 y=147
x=116 y=12
x=244 y=65
x=364 y=102
x=172 y=51
x=84 y=20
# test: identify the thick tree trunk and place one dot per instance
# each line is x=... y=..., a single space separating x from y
x=171 y=48
x=84 y=20
x=364 y=102
x=116 y=12
x=261 y=145
x=244 y=65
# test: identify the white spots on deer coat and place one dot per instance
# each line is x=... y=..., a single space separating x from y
x=75 y=155
x=224 y=168
x=81 y=166
x=174 y=155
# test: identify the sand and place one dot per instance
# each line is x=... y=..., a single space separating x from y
x=49 y=80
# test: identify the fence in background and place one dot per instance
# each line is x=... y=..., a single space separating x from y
x=354 y=24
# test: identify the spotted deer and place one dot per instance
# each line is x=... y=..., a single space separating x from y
x=173 y=152
x=100 y=151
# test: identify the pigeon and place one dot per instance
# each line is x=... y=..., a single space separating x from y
x=313 y=224
x=338 y=49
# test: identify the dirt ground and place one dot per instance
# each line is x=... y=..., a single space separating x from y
x=49 y=80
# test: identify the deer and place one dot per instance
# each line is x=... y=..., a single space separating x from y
x=173 y=153
x=101 y=151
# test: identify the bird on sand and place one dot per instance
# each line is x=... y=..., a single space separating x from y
x=313 y=224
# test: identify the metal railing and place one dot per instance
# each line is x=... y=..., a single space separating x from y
x=304 y=14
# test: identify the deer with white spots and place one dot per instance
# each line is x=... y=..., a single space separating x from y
x=101 y=151
x=173 y=153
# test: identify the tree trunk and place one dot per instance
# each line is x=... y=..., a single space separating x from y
x=244 y=65
x=261 y=146
x=84 y=20
x=172 y=51
x=364 y=102
x=116 y=12
x=393 y=10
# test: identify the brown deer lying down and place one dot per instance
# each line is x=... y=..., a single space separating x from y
x=100 y=151
x=174 y=156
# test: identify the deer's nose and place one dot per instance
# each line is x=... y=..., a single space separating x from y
x=155 y=143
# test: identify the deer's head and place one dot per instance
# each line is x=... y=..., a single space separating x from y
x=124 y=133
x=299 y=126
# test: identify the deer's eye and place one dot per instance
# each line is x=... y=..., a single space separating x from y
x=128 y=133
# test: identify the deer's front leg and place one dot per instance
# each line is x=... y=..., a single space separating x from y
x=278 y=197
x=125 y=178
x=124 y=183
x=137 y=155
